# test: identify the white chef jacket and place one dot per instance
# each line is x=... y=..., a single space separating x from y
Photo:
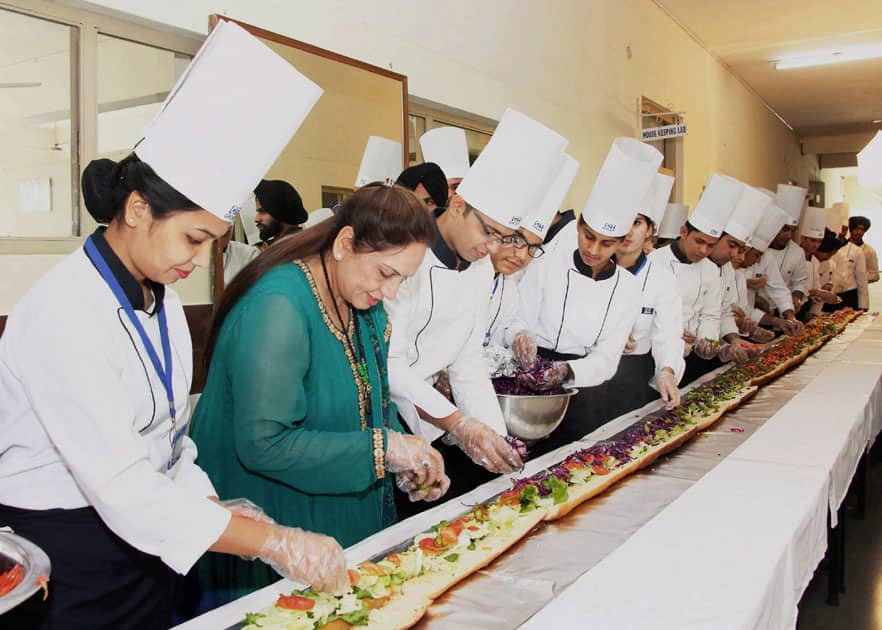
x=742 y=293
x=700 y=290
x=825 y=272
x=438 y=320
x=791 y=263
x=85 y=421
x=776 y=288
x=236 y=257
x=502 y=308
x=872 y=263
x=659 y=324
x=569 y=312
x=729 y=295
x=850 y=272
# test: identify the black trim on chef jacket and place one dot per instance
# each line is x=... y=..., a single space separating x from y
x=131 y=287
x=499 y=285
x=565 y=219
x=678 y=253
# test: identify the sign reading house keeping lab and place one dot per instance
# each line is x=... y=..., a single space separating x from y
x=668 y=131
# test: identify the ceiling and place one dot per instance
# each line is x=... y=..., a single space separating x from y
x=750 y=35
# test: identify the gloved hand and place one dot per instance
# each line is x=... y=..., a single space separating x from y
x=442 y=384
x=484 y=446
x=756 y=283
x=548 y=378
x=788 y=326
x=706 y=349
x=630 y=344
x=312 y=558
x=761 y=335
x=413 y=455
x=746 y=326
x=666 y=383
x=737 y=311
x=246 y=509
x=524 y=349
x=733 y=352
x=762 y=304
x=824 y=297
x=688 y=337
x=406 y=482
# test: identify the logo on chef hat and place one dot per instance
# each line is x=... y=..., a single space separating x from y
x=514 y=222
x=231 y=213
x=609 y=227
x=539 y=225
x=713 y=232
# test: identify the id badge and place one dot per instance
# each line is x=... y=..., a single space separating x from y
x=177 y=447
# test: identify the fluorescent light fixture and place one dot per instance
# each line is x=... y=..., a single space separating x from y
x=855 y=53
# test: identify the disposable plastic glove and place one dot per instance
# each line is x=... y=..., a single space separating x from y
x=688 y=337
x=733 y=352
x=246 y=509
x=737 y=310
x=304 y=556
x=761 y=335
x=788 y=326
x=484 y=446
x=524 y=349
x=746 y=326
x=666 y=383
x=546 y=379
x=706 y=349
x=406 y=482
x=413 y=455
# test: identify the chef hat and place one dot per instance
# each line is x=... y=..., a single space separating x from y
x=813 y=222
x=770 y=224
x=447 y=147
x=656 y=198
x=838 y=216
x=539 y=220
x=869 y=163
x=512 y=174
x=791 y=199
x=716 y=204
x=380 y=162
x=624 y=178
x=747 y=213
x=212 y=140
x=674 y=218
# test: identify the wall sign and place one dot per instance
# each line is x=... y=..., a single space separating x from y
x=662 y=133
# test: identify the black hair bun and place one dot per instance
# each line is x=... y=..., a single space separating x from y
x=96 y=183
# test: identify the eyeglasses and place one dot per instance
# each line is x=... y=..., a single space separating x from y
x=509 y=240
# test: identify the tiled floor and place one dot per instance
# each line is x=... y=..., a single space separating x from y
x=860 y=607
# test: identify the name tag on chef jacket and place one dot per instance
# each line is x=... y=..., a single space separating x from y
x=647 y=310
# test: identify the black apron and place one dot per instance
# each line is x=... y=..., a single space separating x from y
x=98 y=580
x=696 y=367
x=849 y=298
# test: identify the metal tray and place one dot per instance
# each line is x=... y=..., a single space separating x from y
x=17 y=550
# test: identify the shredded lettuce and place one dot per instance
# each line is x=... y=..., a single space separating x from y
x=558 y=489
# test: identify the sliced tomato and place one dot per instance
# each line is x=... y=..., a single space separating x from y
x=394 y=559
x=588 y=459
x=295 y=602
x=429 y=546
x=573 y=465
x=600 y=470
x=473 y=528
x=354 y=577
x=457 y=526
x=512 y=497
x=371 y=568
x=449 y=535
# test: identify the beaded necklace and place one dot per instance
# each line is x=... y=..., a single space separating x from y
x=360 y=361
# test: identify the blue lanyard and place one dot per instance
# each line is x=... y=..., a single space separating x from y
x=165 y=375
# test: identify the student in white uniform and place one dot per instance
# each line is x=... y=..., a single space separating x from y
x=96 y=363
x=653 y=361
x=699 y=278
x=850 y=278
x=857 y=227
x=577 y=306
x=428 y=182
x=447 y=147
x=811 y=235
x=783 y=252
x=745 y=217
x=439 y=316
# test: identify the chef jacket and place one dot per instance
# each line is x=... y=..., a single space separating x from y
x=850 y=272
x=659 y=324
x=571 y=312
x=85 y=419
x=791 y=263
x=700 y=290
x=872 y=263
x=236 y=257
x=775 y=288
x=439 y=319
x=729 y=294
x=503 y=305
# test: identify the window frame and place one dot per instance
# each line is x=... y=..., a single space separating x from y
x=86 y=26
x=433 y=113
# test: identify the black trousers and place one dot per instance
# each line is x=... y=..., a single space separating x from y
x=98 y=580
x=696 y=367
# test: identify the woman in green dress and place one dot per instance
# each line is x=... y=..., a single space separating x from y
x=296 y=414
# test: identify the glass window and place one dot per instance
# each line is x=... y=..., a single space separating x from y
x=416 y=128
x=36 y=98
x=133 y=81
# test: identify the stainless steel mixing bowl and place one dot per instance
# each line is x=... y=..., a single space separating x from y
x=17 y=550
x=532 y=418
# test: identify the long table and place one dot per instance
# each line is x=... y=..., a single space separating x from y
x=724 y=533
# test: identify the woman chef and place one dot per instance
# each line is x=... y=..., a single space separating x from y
x=577 y=306
x=96 y=364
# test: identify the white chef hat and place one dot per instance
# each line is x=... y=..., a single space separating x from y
x=624 y=178
x=869 y=163
x=747 y=213
x=674 y=218
x=212 y=140
x=814 y=220
x=513 y=172
x=539 y=220
x=447 y=147
x=716 y=204
x=655 y=201
x=770 y=224
x=839 y=214
x=791 y=199
x=380 y=162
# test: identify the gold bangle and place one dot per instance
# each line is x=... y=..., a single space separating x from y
x=379 y=454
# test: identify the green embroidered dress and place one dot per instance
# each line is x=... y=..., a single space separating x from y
x=285 y=421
